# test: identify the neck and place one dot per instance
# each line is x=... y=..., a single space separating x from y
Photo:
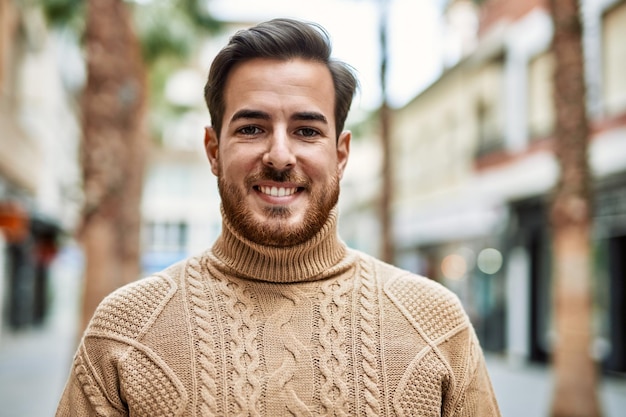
x=320 y=257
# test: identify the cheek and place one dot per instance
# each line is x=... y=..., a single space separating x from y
x=236 y=166
x=324 y=167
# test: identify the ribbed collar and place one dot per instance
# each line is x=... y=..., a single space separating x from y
x=322 y=256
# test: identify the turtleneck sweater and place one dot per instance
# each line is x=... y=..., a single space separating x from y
x=249 y=330
x=322 y=256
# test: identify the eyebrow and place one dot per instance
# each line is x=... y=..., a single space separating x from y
x=314 y=116
x=261 y=115
x=250 y=114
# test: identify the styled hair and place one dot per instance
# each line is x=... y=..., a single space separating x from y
x=280 y=39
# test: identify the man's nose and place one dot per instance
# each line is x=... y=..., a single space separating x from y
x=279 y=154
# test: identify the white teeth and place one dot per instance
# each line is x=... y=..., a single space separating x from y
x=277 y=192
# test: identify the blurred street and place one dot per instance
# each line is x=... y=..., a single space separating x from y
x=469 y=163
x=33 y=369
x=34 y=366
x=34 y=363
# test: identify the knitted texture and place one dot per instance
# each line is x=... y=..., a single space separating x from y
x=341 y=335
x=126 y=313
x=149 y=389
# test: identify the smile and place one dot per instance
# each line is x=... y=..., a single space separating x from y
x=277 y=191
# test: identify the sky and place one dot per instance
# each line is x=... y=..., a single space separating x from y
x=415 y=38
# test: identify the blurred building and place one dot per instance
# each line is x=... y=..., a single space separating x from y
x=180 y=207
x=475 y=169
x=180 y=204
x=40 y=71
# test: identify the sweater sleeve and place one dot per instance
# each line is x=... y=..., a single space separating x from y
x=89 y=392
x=108 y=375
x=477 y=397
x=452 y=360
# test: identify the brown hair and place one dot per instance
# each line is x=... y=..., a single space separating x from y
x=280 y=39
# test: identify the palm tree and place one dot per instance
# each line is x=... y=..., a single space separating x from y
x=114 y=146
x=116 y=134
x=386 y=197
x=575 y=371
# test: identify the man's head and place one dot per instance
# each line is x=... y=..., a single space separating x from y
x=279 y=39
x=274 y=145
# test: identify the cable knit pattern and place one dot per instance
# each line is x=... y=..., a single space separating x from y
x=243 y=347
x=333 y=358
x=246 y=330
x=369 y=341
x=93 y=394
x=204 y=347
x=284 y=333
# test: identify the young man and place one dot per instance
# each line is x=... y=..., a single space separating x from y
x=279 y=317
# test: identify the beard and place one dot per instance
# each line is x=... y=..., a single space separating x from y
x=277 y=230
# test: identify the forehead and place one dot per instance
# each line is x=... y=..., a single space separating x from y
x=286 y=85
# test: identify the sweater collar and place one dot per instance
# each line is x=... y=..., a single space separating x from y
x=320 y=257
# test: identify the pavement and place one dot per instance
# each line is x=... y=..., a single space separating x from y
x=525 y=390
x=34 y=366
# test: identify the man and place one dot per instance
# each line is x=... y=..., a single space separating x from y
x=279 y=317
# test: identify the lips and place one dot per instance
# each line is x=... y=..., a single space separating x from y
x=276 y=184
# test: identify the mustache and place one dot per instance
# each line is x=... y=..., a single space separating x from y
x=271 y=174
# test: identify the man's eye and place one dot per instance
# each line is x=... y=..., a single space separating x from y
x=249 y=130
x=308 y=132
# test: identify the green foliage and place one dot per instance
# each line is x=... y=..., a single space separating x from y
x=164 y=27
x=163 y=31
x=169 y=31
x=65 y=13
x=200 y=16
x=171 y=28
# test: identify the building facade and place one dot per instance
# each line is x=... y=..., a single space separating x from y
x=475 y=170
x=40 y=73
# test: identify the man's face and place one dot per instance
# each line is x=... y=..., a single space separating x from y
x=278 y=160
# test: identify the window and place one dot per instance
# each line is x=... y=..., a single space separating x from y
x=614 y=61
x=165 y=237
x=487 y=128
x=540 y=100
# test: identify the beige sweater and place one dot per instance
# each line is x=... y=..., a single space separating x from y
x=246 y=330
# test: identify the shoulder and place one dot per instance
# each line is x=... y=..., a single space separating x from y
x=127 y=311
x=432 y=308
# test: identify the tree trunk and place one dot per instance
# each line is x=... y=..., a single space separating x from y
x=113 y=151
x=575 y=371
x=386 y=197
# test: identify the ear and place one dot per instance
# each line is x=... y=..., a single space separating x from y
x=211 y=148
x=343 y=151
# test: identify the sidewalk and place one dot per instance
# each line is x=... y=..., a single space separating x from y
x=526 y=390
x=34 y=365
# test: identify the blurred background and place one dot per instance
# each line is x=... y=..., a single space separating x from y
x=103 y=176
